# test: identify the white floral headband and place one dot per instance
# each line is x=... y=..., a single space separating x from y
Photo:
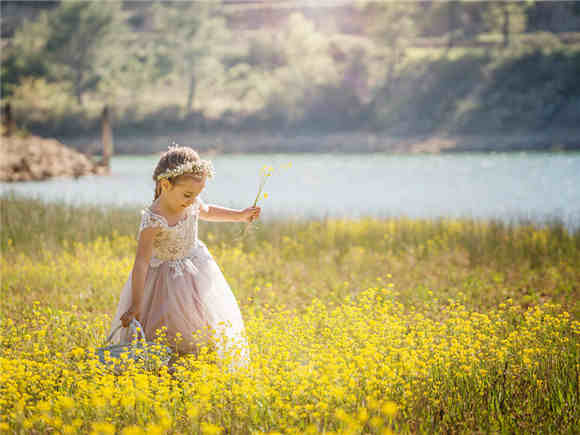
x=198 y=169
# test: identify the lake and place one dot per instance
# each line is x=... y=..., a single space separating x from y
x=508 y=186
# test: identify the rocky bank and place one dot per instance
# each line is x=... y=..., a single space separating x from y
x=35 y=158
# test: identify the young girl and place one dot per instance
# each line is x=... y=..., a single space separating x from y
x=175 y=286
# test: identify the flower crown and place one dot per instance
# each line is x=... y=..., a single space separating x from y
x=198 y=169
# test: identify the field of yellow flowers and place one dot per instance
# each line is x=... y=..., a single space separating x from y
x=367 y=326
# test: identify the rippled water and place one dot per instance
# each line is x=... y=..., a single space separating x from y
x=507 y=186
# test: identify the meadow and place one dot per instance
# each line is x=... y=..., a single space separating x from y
x=355 y=326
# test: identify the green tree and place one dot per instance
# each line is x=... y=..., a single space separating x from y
x=73 y=41
x=136 y=63
x=506 y=17
x=393 y=27
x=452 y=21
x=193 y=34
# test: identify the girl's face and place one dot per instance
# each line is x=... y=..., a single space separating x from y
x=182 y=192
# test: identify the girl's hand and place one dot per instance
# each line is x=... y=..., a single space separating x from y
x=127 y=317
x=250 y=214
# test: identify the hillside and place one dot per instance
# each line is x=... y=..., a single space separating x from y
x=330 y=78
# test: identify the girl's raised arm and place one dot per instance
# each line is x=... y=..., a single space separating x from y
x=215 y=213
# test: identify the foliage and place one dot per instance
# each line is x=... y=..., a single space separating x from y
x=394 y=25
x=346 y=333
x=184 y=65
x=505 y=102
x=506 y=17
x=520 y=90
x=193 y=35
x=72 y=41
x=45 y=102
x=427 y=94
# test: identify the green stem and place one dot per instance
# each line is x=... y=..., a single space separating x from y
x=261 y=186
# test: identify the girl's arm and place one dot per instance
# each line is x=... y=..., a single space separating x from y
x=215 y=213
x=140 y=268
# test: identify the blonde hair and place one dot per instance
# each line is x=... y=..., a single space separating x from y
x=171 y=159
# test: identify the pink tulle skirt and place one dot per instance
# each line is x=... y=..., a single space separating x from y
x=194 y=308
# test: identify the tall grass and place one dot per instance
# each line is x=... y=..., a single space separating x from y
x=484 y=261
x=30 y=223
x=355 y=326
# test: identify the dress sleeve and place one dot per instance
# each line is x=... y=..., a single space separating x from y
x=200 y=205
x=149 y=220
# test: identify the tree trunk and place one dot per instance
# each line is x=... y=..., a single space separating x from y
x=451 y=23
x=78 y=86
x=7 y=120
x=107 y=137
x=190 y=94
x=506 y=24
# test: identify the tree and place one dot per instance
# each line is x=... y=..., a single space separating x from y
x=452 y=21
x=561 y=16
x=195 y=33
x=393 y=26
x=136 y=63
x=505 y=17
x=72 y=41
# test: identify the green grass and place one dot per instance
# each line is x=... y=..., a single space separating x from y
x=452 y=320
x=484 y=262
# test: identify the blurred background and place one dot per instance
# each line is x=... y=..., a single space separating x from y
x=334 y=86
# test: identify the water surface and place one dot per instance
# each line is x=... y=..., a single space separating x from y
x=505 y=185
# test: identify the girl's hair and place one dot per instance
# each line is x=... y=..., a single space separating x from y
x=170 y=159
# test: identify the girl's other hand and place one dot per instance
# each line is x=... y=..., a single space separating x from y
x=127 y=317
x=250 y=214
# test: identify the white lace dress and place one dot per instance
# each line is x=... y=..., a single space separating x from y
x=185 y=292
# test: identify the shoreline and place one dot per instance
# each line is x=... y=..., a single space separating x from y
x=359 y=142
x=28 y=158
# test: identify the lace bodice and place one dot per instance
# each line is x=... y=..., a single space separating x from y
x=176 y=244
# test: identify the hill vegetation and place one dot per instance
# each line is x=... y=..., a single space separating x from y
x=171 y=68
